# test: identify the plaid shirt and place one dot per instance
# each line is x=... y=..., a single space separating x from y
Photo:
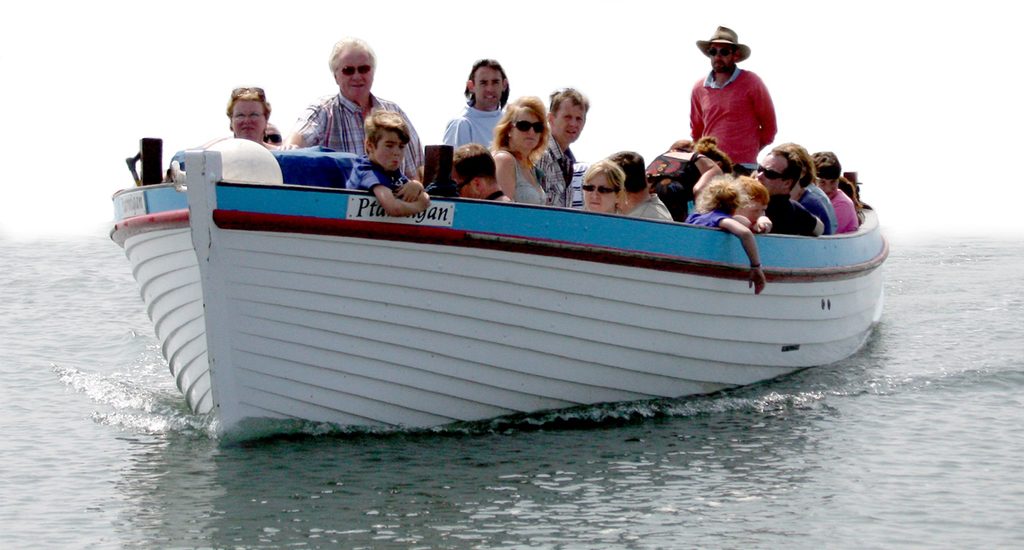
x=337 y=123
x=558 y=170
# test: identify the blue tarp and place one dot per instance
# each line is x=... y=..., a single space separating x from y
x=313 y=166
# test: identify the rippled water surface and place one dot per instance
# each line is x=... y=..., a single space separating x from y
x=917 y=441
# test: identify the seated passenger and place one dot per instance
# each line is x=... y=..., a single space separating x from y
x=641 y=200
x=272 y=136
x=603 y=189
x=682 y=146
x=807 y=193
x=380 y=170
x=715 y=208
x=248 y=115
x=473 y=172
x=708 y=146
x=779 y=172
x=674 y=175
x=829 y=171
x=520 y=139
x=754 y=199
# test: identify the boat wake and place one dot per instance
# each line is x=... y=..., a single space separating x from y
x=136 y=403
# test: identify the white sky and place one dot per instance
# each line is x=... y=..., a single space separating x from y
x=920 y=98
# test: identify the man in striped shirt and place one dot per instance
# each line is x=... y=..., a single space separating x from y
x=337 y=122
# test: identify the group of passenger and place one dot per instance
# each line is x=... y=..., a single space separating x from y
x=519 y=151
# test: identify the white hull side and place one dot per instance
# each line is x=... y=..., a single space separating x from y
x=378 y=332
x=164 y=265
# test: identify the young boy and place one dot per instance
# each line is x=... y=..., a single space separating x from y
x=379 y=172
x=716 y=205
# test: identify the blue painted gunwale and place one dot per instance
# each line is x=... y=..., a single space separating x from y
x=520 y=228
x=270 y=208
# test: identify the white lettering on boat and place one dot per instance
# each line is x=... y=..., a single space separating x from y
x=130 y=204
x=368 y=209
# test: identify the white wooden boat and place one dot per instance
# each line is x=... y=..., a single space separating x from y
x=292 y=302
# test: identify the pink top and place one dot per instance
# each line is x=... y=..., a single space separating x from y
x=741 y=115
x=846 y=212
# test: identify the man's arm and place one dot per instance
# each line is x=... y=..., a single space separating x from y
x=764 y=110
x=696 y=113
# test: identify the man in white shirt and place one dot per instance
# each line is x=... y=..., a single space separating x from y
x=486 y=94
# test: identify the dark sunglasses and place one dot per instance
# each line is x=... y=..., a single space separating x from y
x=600 y=189
x=712 y=52
x=272 y=138
x=350 y=70
x=523 y=126
x=770 y=174
x=251 y=90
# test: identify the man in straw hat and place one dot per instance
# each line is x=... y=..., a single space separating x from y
x=732 y=104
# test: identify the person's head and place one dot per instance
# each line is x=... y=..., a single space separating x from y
x=272 y=136
x=522 y=129
x=248 y=112
x=487 y=87
x=753 y=198
x=387 y=135
x=353 y=65
x=473 y=171
x=682 y=146
x=829 y=170
x=722 y=194
x=724 y=50
x=708 y=146
x=567 y=115
x=603 y=189
x=785 y=167
x=634 y=168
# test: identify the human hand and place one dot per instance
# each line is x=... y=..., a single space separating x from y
x=763 y=225
x=410 y=191
x=757 y=279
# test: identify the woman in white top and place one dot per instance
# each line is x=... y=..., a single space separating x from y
x=520 y=139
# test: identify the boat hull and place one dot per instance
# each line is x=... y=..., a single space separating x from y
x=330 y=317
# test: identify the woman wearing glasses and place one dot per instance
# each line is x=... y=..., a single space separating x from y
x=249 y=112
x=520 y=139
x=336 y=122
x=603 y=188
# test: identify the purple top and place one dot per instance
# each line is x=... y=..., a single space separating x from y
x=707 y=219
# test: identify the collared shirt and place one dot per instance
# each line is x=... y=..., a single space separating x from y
x=337 y=123
x=367 y=174
x=710 y=82
x=558 y=171
x=472 y=126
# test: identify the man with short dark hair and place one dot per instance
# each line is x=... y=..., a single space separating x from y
x=486 y=96
x=473 y=172
x=567 y=115
x=779 y=173
x=732 y=104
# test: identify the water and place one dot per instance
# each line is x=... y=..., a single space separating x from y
x=916 y=442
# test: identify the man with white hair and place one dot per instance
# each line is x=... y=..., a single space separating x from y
x=336 y=122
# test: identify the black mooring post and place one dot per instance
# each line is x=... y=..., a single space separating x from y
x=152 y=150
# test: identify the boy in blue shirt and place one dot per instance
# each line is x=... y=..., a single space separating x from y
x=387 y=136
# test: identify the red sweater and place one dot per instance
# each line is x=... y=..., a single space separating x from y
x=741 y=116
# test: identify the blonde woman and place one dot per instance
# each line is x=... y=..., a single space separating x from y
x=603 y=188
x=520 y=138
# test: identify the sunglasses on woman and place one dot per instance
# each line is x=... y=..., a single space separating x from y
x=351 y=70
x=249 y=90
x=524 y=125
x=599 y=188
x=272 y=138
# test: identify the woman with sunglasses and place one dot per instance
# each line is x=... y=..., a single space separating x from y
x=604 y=188
x=520 y=139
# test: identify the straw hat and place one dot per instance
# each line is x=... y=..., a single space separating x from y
x=725 y=35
